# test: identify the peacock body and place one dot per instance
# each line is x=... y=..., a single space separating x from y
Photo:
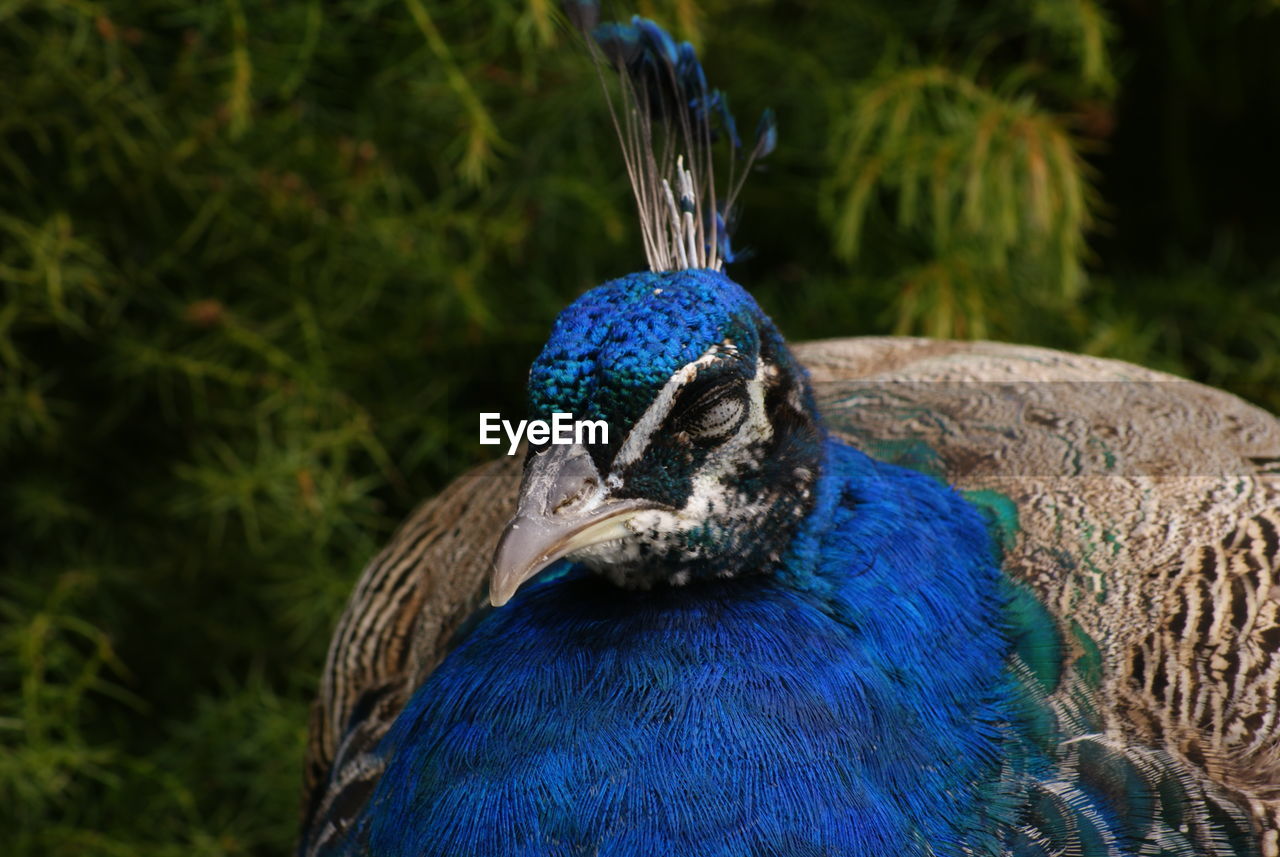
x=872 y=597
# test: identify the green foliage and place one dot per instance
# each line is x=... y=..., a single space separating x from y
x=989 y=183
x=986 y=183
x=262 y=264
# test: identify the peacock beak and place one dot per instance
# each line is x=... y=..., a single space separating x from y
x=564 y=507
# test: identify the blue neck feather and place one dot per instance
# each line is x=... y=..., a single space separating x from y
x=681 y=721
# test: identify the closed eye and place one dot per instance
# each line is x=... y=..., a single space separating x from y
x=714 y=416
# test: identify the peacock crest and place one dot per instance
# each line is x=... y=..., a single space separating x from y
x=673 y=129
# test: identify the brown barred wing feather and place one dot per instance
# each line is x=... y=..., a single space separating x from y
x=1143 y=509
x=396 y=627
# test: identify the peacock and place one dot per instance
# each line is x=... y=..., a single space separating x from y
x=874 y=596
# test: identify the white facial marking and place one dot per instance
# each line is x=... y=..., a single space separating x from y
x=712 y=496
x=638 y=438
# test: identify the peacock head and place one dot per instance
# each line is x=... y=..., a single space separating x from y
x=713 y=448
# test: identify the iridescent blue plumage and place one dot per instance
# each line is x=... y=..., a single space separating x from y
x=613 y=348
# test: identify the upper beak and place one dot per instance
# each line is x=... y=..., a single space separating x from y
x=563 y=507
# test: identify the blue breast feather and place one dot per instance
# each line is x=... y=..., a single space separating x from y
x=859 y=703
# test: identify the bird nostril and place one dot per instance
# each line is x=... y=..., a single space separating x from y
x=570 y=501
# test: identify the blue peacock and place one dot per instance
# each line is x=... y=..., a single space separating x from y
x=863 y=597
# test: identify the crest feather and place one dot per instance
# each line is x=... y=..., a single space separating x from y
x=669 y=123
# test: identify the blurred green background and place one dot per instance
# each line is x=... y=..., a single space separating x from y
x=264 y=262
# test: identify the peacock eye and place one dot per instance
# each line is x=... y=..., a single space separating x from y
x=714 y=418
